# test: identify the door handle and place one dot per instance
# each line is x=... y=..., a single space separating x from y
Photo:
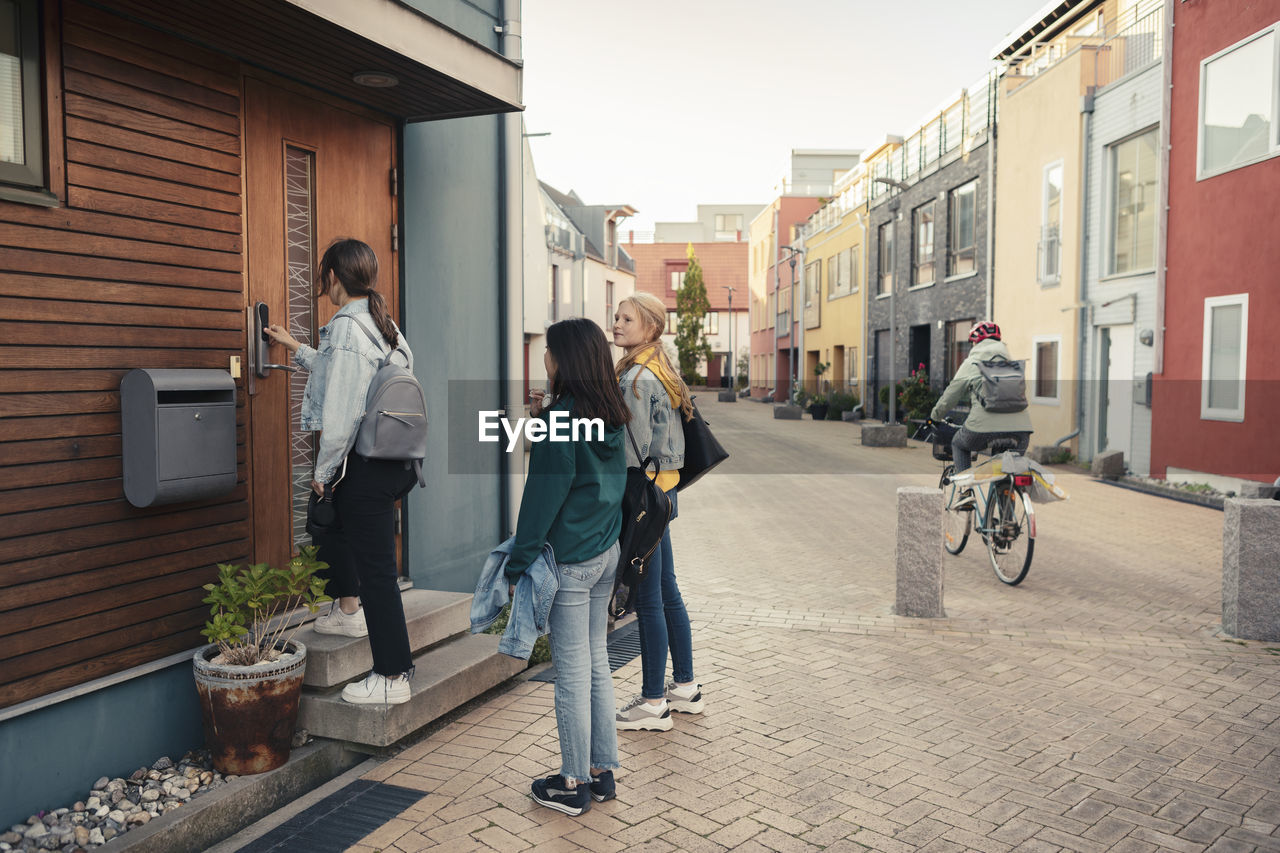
x=260 y=340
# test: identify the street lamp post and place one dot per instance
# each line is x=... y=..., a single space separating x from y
x=893 y=314
x=793 y=375
x=733 y=356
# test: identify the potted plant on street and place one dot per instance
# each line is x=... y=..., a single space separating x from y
x=249 y=677
x=819 y=403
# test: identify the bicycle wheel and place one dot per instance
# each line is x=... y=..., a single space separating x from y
x=1010 y=532
x=956 y=524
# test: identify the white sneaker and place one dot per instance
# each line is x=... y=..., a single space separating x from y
x=639 y=715
x=685 y=700
x=377 y=689
x=345 y=624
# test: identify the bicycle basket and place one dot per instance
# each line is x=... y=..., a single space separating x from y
x=942 y=435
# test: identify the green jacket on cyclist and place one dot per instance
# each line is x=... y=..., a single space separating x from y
x=967 y=382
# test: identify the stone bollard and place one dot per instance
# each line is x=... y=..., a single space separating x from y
x=1251 y=569
x=1108 y=465
x=876 y=434
x=919 y=552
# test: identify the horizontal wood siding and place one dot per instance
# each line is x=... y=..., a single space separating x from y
x=143 y=267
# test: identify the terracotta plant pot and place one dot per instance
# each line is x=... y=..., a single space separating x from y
x=249 y=712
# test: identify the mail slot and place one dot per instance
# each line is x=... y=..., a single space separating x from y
x=178 y=430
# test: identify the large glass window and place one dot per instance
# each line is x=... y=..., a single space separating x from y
x=21 y=116
x=1226 y=324
x=884 y=281
x=922 y=271
x=1134 y=180
x=1238 y=91
x=962 y=216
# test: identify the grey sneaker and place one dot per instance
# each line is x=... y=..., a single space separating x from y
x=685 y=700
x=344 y=624
x=639 y=715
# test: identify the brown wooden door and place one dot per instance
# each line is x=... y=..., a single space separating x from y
x=314 y=172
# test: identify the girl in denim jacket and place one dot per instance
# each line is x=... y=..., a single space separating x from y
x=361 y=556
x=658 y=399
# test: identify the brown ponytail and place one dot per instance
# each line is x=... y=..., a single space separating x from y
x=355 y=266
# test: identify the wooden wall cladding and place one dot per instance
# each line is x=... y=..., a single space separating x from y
x=142 y=267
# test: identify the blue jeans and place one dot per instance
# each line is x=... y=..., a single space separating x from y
x=584 y=685
x=664 y=622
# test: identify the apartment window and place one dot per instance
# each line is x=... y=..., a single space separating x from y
x=812 y=283
x=21 y=113
x=922 y=267
x=728 y=226
x=851 y=365
x=962 y=218
x=1238 y=109
x=553 y=292
x=673 y=322
x=676 y=278
x=1133 y=204
x=608 y=305
x=1049 y=250
x=711 y=323
x=1044 y=369
x=884 y=280
x=1226 y=326
x=855 y=269
x=957 y=344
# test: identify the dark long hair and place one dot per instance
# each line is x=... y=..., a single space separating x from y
x=355 y=266
x=585 y=371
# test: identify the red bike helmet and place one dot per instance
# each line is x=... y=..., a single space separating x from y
x=982 y=331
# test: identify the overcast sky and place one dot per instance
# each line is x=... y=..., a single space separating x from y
x=665 y=105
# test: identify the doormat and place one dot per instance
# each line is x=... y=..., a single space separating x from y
x=624 y=646
x=338 y=821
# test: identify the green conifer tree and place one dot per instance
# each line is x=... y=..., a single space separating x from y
x=692 y=307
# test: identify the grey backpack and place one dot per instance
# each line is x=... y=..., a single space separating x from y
x=1004 y=385
x=395 y=414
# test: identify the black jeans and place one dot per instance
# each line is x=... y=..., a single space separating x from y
x=362 y=556
x=967 y=443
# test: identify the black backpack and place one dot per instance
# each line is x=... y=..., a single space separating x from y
x=646 y=511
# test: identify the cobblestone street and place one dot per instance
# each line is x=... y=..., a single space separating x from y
x=1094 y=707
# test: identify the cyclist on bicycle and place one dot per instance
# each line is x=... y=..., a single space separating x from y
x=980 y=427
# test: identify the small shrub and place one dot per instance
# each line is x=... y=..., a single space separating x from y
x=841 y=401
x=541 y=648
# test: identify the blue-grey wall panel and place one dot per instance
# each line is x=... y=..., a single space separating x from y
x=452 y=256
x=64 y=748
x=474 y=19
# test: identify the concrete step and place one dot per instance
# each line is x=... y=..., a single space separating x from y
x=432 y=616
x=447 y=676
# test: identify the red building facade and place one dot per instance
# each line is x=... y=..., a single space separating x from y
x=1217 y=401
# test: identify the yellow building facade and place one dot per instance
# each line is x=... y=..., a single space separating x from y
x=1050 y=66
x=834 y=290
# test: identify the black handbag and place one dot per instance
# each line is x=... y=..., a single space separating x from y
x=646 y=511
x=322 y=515
x=701 y=450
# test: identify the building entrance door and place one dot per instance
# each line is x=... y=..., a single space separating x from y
x=1115 y=396
x=314 y=172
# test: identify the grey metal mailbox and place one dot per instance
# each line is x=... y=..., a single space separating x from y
x=178 y=430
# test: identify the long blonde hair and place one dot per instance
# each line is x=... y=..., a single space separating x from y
x=653 y=315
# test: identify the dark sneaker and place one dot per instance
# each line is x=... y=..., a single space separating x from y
x=966 y=500
x=602 y=787
x=554 y=794
x=685 y=700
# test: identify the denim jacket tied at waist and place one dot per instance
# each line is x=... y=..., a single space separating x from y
x=530 y=609
x=341 y=368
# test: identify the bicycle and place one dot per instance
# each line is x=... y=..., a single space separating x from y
x=1008 y=519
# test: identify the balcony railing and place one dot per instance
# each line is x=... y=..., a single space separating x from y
x=1049 y=256
x=1137 y=46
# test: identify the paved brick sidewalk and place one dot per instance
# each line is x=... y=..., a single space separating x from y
x=1095 y=707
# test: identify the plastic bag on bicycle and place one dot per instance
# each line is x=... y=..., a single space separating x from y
x=1041 y=488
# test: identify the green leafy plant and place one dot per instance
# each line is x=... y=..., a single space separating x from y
x=841 y=402
x=915 y=398
x=692 y=306
x=245 y=601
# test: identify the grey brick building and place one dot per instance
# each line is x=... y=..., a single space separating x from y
x=928 y=239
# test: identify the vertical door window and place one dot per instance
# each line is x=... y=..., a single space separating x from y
x=922 y=228
x=300 y=265
x=962 y=216
x=1049 y=251
x=1226 y=323
x=1045 y=372
x=1133 y=204
x=958 y=346
x=884 y=282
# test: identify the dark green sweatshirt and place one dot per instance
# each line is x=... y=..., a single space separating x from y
x=572 y=496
